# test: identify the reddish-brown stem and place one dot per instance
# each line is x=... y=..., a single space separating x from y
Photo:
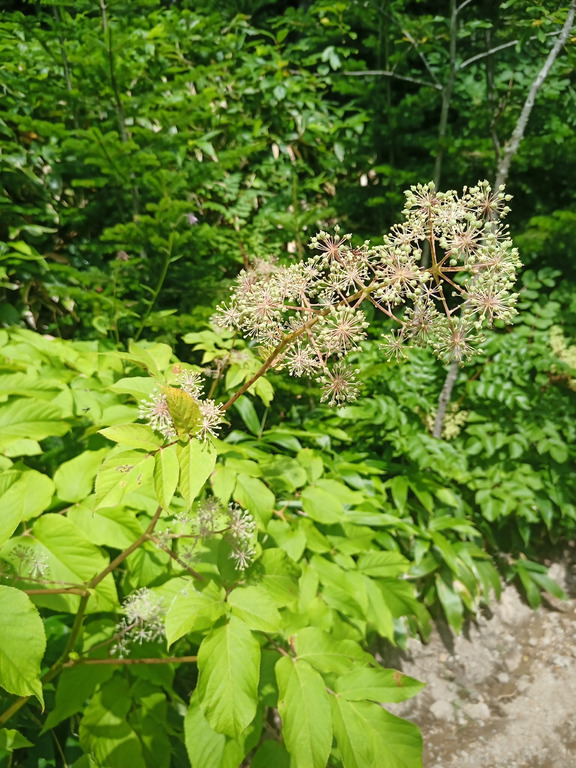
x=56 y=591
x=175 y=557
x=58 y=666
x=154 y=660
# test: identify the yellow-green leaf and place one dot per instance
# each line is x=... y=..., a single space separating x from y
x=197 y=460
x=166 y=471
x=22 y=644
x=184 y=411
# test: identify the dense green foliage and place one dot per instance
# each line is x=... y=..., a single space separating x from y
x=149 y=152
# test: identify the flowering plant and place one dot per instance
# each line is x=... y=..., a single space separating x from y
x=267 y=573
x=309 y=316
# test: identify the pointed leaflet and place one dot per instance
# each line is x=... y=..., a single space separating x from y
x=116 y=527
x=255 y=608
x=321 y=505
x=74 y=479
x=193 y=611
x=11 y=516
x=104 y=730
x=166 y=471
x=377 y=684
x=75 y=686
x=72 y=559
x=367 y=734
x=304 y=706
x=326 y=653
x=184 y=410
x=254 y=496
x=229 y=669
x=32 y=419
x=22 y=644
x=121 y=473
x=134 y=435
x=207 y=748
x=196 y=461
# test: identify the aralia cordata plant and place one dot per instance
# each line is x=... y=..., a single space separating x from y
x=307 y=317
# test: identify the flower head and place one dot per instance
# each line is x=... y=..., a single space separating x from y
x=156 y=412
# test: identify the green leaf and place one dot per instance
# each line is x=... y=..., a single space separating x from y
x=304 y=707
x=155 y=358
x=223 y=481
x=321 y=505
x=368 y=735
x=254 y=496
x=197 y=460
x=22 y=644
x=29 y=496
x=115 y=527
x=246 y=409
x=270 y=754
x=256 y=609
x=104 y=730
x=166 y=473
x=137 y=386
x=343 y=590
x=76 y=685
x=229 y=669
x=184 y=410
x=74 y=479
x=451 y=603
x=384 y=564
x=11 y=515
x=328 y=654
x=134 y=435
x=120 y=474
x=32 y=419
x=207 y=748
x=276 y=575
x=379 y=614
x=72 y=559
x=11 y=739
x=377 y=684
x=193 y=611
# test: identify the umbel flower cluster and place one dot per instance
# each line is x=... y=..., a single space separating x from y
x=213 y=518
x=440 y=277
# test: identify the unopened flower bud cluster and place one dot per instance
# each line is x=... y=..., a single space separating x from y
x=236 y=524
x=213 y=518
x=308 y=315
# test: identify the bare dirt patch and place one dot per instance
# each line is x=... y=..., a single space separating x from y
x=502 y=694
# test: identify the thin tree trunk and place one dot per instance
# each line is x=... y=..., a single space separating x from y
x=501 y=177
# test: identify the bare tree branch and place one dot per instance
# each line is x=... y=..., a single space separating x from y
x=497 y=48
x=388 y=73
x=520 y=128
x=502 y=175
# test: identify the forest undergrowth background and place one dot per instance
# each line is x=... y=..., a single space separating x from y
x=205 y=589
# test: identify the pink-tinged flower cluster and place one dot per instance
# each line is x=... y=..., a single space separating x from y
x=440 y=277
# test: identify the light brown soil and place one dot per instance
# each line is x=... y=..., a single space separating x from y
x=502 y=694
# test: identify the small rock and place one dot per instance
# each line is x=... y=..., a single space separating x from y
x=477 y=711
x=443 y=710
x=512 y=659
